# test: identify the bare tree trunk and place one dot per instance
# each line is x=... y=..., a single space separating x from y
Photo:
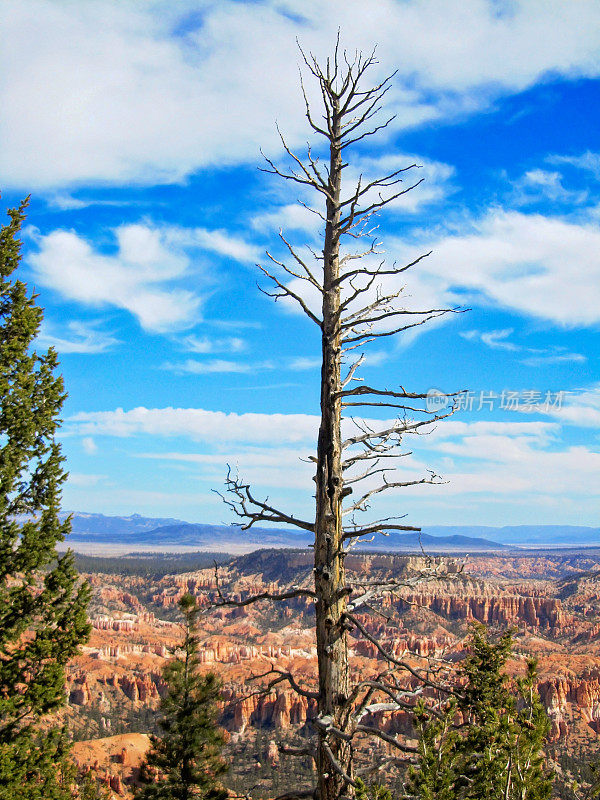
x=330 y=581
x=355 y=311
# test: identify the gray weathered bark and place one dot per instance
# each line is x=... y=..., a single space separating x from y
x=350 y=114
x=330 y=580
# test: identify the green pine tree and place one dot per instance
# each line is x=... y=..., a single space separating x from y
x=371 y=791
x=42 y=603
x=488 y=742
x=436 y=776
x=185 y=762
x=91 y=789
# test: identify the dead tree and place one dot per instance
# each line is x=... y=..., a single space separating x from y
x=355 y=309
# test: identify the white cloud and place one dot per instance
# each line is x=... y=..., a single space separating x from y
x=81 y=480
x=497 y=340
x=136 y=278
x=518 y=464
x=578 y=408
x=217 y=241
x=540 y=184
x=122 y=93
x=81 y=337
x=588 y=161
x=208 y=426
x=141 y=277
x=205 y=345
x=554 y=358
x=218 y=365
x=538 y=266
x=303 y=363
x=89 y=445
x=289 y=217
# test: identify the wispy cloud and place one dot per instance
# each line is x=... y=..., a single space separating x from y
x=196 y=423
x=216 y=241
x=538 y=356
x=80 y=337
x=543 y=185
x=82 y=480
x=234 y=324
x=554 y=357
x=194 y=367
x=64 y=201
x=304 y=363
x=205 y=344
x=588 y=161
x=261 y=466
x=497 y=340
x=89 y=445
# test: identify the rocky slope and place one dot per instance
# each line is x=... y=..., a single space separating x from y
x=115 y=686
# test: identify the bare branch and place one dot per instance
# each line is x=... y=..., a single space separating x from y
x=285 y=291
x=244 y=500
x=371 y=335
x=350 y=375
x=377 y=452
x=277 y=596
x=337 y=766
x=396 y=430
x=393 y=740
x=297 y=751
x=372 y=132
x=389 y=657
x=376 y=528
x=309 y=275
x=374 y=469
x=360 y=504
x=393 y=270
x=308 y=179
x=390 y=393
x=287 y=676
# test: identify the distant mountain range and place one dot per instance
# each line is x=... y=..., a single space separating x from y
x=525 y=535
x=138 y=532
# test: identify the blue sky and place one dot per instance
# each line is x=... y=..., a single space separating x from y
x=137 y=129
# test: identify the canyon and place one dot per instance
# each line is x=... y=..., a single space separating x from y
x=114 y=687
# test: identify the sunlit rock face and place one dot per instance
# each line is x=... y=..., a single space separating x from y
x=116 y=684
